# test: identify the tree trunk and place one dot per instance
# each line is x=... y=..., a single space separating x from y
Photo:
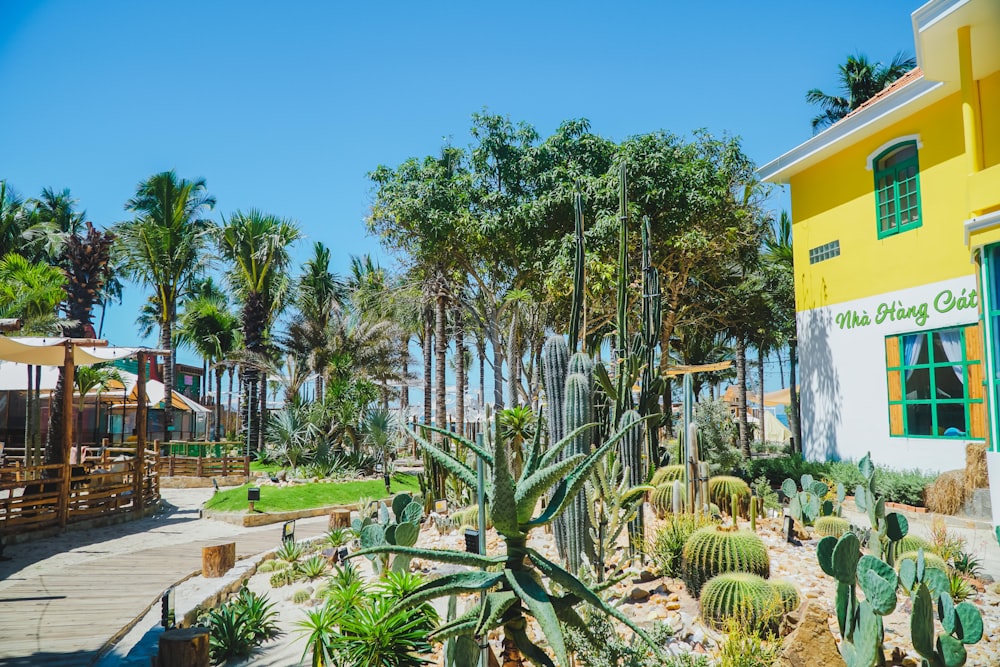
x=482 y=376
x=31 y=457
x=54 y=451
x=781 y=368
x=229 y=401
x=262 y=413
x=166 y=343
x=218 y=403
x=460 y=371
x=793 y=419
x=428 y=350
x=441 y=356
x=497 y=367
x=404 y=390
x=741 y=391
x=668 y=408
x=513 y=357
x=760 y=378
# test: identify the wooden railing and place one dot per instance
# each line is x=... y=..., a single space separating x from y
x=204 y=466
x=36 y=497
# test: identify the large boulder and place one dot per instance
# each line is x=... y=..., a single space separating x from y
x=811 y=642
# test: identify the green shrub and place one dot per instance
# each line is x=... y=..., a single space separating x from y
x=762 y=489
x=902 y=486
x=667 y=545
x=312 y=568
x=240 y=625
x=780 y=468
x=717 y=436
x=602 y=646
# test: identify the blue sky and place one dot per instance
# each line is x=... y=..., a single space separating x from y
x=287 y=106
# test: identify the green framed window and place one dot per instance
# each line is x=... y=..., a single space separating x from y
x=935 y=383
x=897 y=189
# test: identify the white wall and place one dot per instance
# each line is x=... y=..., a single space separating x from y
x=844 y=387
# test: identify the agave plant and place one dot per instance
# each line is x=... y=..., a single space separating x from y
x=514 y=581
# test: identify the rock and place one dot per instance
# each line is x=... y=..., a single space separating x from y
x=673 y=597
x=638 y=594
x=811 y=643
x=673 y=605
x=282 y=475
x=646 y=575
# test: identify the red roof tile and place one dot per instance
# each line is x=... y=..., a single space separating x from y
x=909 y=77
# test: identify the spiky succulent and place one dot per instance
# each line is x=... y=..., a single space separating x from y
x=714 y=550
x=515 y=582
x=788 y=594
x=833 y=526
x=722 y=488
x=742 y=596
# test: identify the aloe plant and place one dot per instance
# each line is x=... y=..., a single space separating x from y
x=514 y=582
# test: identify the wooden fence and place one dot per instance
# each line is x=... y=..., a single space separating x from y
x=36 y=497
x=203 y=466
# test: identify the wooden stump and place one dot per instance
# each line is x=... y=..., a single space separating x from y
x=217 y=560
x=187 y=647
x=340 y=519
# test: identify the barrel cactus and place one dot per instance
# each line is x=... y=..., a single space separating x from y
x=911 y=543
x=742 y=596
x=713 y=550
x=469 y=518
x=662 y=498
x=788 y=594
x=931 y=559
x=833 y=526
x=667 y=474
x=722 y=488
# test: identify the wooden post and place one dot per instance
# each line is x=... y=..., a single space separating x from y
x=217 y=560
x=186 y=647
x=246 y=467
x=140 y=432
x=340 y=519
x=199 y=470
x=69 y=380
x=171 y=466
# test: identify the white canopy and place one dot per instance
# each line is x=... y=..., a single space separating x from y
x=52 y=351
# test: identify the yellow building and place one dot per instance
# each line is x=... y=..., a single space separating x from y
x=896 y=213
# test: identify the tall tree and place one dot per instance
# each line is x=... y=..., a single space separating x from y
x=860 y=80
x=164 y=247
x=778 y=254
x=212 y=329
x=257 y=247
x=319 y=294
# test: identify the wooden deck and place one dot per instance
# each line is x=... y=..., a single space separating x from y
x=57 y=616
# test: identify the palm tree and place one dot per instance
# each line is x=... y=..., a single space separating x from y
x=32 y=292
x=778 y=254
x=319 y=294
x=21 y=229
x=256 y=244
x=860 y=80
x=211 y=328
x=165 y=246
x=88 y=378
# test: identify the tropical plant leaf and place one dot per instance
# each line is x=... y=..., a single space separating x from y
x=448 y=460
x=466 y=623
x=530 y=651
x=537 y=600
x=576 y=587
x=452 y=584
x=552 y=455
x=604 y=380
x=571 y=485
x=496 y=605
x=503 y=510
x=439 y=555
x=531 y=489
x=465 y=442
x=534 y=451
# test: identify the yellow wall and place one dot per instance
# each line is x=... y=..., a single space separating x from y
x=989 y=102
x=835 y=199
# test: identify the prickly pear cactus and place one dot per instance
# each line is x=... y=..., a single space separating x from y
x=808 y=504
x=887 y=529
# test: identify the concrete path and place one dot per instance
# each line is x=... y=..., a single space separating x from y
x=63 y=598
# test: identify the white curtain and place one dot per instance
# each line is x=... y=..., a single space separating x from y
x=951 y=342
x=912 y=345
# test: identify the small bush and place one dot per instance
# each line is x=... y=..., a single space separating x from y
x=762 y=489
x=778 y=469
x=718 y=436
x=602 y=646
x=902 y=486
x=290 y=551
x=748 y=644
x=668 y=543
x=312 y=568
x=240 y=625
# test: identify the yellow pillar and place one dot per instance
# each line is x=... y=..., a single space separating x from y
x=970 y=103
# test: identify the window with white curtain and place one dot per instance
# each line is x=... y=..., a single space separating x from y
x=935 y=380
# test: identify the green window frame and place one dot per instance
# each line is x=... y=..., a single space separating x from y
x=922 y=414
x=897 y=189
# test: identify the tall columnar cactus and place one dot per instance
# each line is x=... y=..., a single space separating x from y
x=887 y=529
x=649 y=338
x=555 y=362
x=713 y=550
x=631 y=451
x=743 y=596
x=578 y=412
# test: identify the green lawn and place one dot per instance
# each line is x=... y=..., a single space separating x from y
x=304 y=496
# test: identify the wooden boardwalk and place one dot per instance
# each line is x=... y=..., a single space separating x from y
x=62 y=615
